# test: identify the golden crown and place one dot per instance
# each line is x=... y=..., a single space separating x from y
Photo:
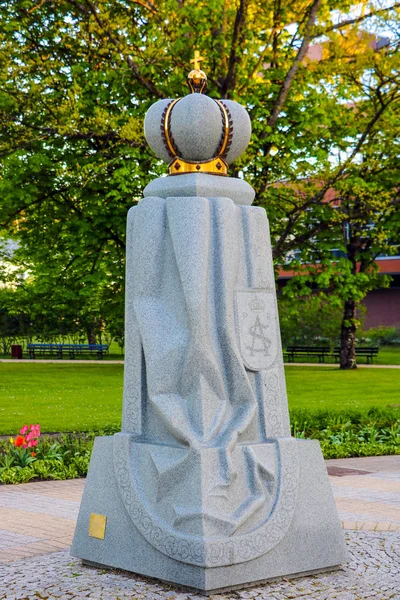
x=197 y=82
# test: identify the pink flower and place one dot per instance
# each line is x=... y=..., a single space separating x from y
x=28 y=436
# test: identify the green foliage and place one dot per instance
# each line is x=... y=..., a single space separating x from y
x=20 y=457
x=309 y=320
x=375 y=432
x=77 y=79
x=379 y=336
x=63 y=325
x=350 y=433
x=313 y=421
x=62 y=457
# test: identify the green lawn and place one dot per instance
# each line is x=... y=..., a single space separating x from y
x=68 y=397
x=328 y=387
x=388 y=355
x=61 y=397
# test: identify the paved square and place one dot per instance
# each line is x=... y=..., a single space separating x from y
x=372 y=574
x=37 y=522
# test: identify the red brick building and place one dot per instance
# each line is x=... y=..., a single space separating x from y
x=383 y=304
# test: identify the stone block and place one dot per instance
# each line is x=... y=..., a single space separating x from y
x=137 y=540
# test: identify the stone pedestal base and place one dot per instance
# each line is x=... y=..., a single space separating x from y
x=314 y=541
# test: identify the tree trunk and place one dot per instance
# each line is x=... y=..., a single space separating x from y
x=348 y=336
x=91 y=336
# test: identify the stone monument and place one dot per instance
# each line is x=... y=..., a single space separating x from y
x=204 y=486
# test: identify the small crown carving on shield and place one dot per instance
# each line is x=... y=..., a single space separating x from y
x=256 y=304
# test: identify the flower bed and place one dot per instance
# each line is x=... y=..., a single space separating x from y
x=345 y=434
x=60 y=456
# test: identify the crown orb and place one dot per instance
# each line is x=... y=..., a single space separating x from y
x=197 y=76
x=197 y=81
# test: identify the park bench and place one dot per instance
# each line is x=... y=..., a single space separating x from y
x=71 y=350
x=361 y=351
x=320 y=351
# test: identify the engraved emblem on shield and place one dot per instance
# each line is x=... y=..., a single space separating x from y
x=257 y=323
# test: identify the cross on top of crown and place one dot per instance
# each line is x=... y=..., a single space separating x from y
x=197 y=60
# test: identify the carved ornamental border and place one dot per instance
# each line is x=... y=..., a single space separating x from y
x=221 y=551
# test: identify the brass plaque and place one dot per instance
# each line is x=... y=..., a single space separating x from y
x=97 y=526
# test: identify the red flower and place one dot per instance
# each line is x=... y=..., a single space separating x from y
x=19 y=441
x=33 y=453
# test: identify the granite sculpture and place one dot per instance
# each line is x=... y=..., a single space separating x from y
x=204 y=486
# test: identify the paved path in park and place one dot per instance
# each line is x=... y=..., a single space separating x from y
x=121 y=362
x=37 y=522
x=362 y=366
x=62 y=361
x=37 y=518
x=372 y=573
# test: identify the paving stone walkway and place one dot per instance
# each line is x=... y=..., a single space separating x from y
x=37 y=522
x=367 y=492
x=371 y=574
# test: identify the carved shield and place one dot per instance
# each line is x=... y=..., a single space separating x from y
x=257 y=322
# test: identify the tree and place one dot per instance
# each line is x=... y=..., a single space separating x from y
x=77 y=77
x=360 y=217
x=315 y=319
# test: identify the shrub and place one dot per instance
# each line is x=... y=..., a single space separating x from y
x=381 y=336
x=375 y=432
x=313 y=320
x=342 y=435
